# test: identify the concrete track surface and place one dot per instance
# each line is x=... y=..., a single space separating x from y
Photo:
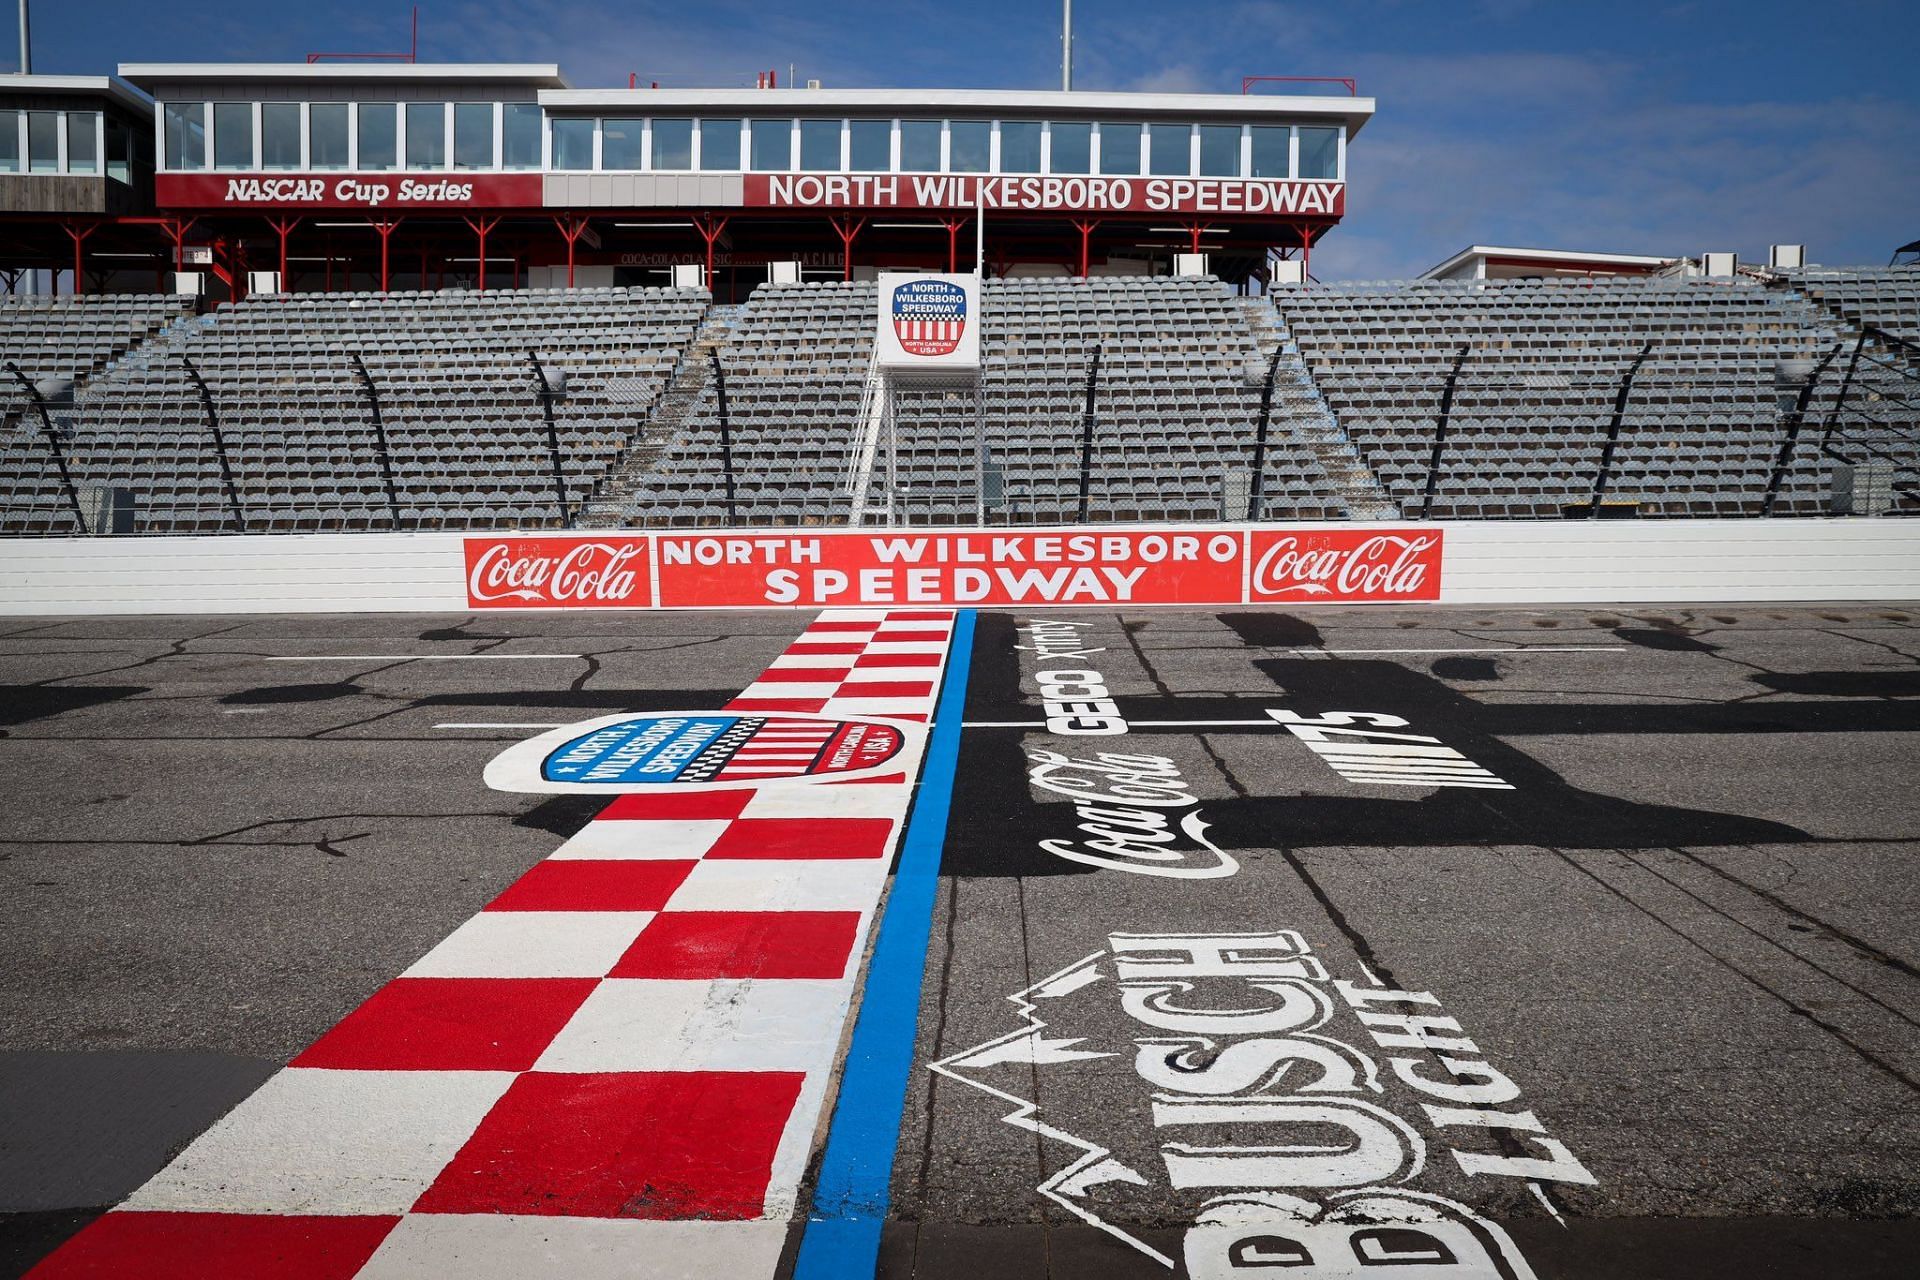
x=1416 y=942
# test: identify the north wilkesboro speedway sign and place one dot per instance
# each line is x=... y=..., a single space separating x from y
x=1206 y=565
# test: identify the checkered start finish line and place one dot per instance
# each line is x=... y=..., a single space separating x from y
x=617 y=1068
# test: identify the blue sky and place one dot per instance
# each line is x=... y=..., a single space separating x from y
x=1626 y=127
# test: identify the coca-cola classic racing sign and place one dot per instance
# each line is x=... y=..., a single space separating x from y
x=1156 y=565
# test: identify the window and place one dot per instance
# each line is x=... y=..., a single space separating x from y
x=186 y=134
x=1270 y=152
x=870 y=145
x=119 y=150
x=772 y=145
x=9 y=142
x=920 y=146
x=1019 y=146
x=1072 y=148
x=83 y=154
x=233 y=135
x=719 y=144
x=673 y=144
x=1172 y=148
x=1219 y=150
x=970 y=146
x=1120 y=148
x=279 y=135
x=43 y=141
x=377 y=135
x=572 y=144
x=1319 y=153
x=620 y=143
x=520 y=135
x=820 y=146
x=426 y=135
x=473 y=135
x=327 y=136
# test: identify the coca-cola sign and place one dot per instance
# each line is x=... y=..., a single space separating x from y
x=1328 y=565
x=1199 y=567
x=559 y=573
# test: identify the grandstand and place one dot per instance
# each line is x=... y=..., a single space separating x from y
x=1527 y=398
x=1532 y=377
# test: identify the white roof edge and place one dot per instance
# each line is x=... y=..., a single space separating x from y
x=114 y=87
x=783 y=100
x=174 y=71
x=1542 y=255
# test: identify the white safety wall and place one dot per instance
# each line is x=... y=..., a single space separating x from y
x=1486 y=562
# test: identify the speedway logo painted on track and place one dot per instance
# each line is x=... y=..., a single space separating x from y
x=698 y=751
x=1289 y=1116
x=1198 y=566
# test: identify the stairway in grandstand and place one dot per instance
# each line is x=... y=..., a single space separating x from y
x=465 y=437
x=1866 y=410
x=792 y=359
x=1537 y=369
x=1355 y=484
x=675 y=416
x=54 y=340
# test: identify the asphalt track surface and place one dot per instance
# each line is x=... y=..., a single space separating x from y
x=1675 y=951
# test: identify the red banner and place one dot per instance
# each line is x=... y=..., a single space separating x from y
x=1200 y=566
x=950 y=568
x=1057 y=194
x=559 y=573
x=1345 y=564
x=396 y=191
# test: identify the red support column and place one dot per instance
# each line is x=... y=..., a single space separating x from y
x=386 y=230
x=710 y=229
x=953 y=226
x=847 y=228
x=1086 y=229
x=283 y=227
x=1193 y=230
x=1306 y=253
x=176 y=229
x=481 y=226
x=572 y=229
x=78 y=235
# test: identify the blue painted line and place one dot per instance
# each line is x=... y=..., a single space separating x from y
x=841 y=1240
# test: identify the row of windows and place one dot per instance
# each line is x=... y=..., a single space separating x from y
x=69 y=142
x=946 y=146
x=497 y=135
x=351 y=135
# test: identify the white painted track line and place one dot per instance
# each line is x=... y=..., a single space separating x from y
x=1512 y=648
x=427 y=657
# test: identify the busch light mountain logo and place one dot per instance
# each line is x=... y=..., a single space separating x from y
x=698 y=750
x=1289 y=1119
x=930 y=316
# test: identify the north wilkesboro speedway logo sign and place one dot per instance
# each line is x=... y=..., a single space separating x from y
x=1289 y=1117
x=929 y=316
x=928 y=321
x=699 y=750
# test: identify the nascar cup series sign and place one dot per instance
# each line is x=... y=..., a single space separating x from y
x=928 y=322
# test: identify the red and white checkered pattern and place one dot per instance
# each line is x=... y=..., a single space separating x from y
x=616 y=1069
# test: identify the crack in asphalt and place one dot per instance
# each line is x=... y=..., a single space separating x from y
x=1791 y=1005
